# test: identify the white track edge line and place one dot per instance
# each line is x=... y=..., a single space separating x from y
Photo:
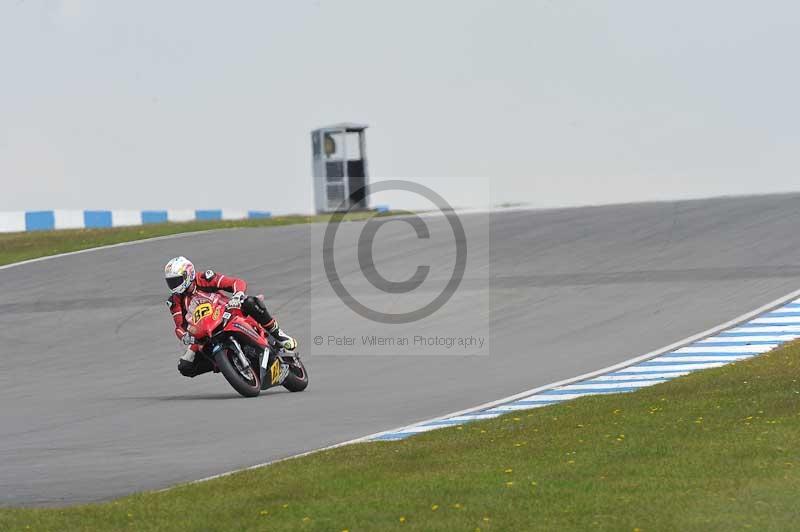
x=652 y=354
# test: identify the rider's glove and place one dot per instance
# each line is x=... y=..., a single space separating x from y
x=236 y=300
x=187 y=339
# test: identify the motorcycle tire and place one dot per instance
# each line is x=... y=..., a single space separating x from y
x=224 y=360
x=297 y=379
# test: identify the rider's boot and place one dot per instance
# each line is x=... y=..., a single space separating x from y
x=283 y=339
x=254 y=306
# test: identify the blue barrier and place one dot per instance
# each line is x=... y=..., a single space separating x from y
x=154 y=217
x=93 y=219
x=212 y=214
x=40 y=221
x=96 y=219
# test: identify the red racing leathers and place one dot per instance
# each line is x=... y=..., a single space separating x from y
x=206 y=282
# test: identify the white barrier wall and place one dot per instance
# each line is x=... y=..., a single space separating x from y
x=12 y=221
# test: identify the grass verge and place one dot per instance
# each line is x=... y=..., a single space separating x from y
x=16 y=247
x=716 y=450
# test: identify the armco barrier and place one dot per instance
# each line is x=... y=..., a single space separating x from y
x=18 y=221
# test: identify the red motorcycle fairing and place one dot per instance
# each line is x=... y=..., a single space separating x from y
x=206 y=312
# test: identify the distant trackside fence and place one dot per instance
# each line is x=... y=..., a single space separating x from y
x=17 y=221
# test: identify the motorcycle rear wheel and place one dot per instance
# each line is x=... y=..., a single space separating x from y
x=297 y=378
x=247 y=387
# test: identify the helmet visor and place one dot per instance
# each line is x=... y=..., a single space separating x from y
x=174 y=282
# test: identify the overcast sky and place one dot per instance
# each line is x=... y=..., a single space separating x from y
x=154 y=104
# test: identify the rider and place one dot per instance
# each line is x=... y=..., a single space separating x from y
x=183 y=283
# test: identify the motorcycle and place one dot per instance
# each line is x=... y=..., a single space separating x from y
x=238 y=347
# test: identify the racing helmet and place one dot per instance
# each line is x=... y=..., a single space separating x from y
x=179 y=274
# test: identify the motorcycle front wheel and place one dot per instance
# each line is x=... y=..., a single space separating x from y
x=244 y=380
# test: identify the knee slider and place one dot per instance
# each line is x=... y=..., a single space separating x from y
x=186 y=368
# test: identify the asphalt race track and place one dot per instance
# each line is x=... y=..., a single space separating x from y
x=92 y=407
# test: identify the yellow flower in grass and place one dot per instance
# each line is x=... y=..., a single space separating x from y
x=434 y=507
x=402 y=519
x=509 y=470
